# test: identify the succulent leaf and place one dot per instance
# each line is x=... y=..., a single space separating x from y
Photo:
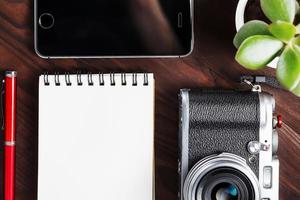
x=279 y=10
x=296 y=41
x=284 y=31
x=258 y=51
x=288 y=69
x=296 y=91
x=251 y=28
x=298 y=28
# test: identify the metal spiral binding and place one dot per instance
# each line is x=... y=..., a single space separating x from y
x=90 y=76
x=146 y=81
x=67 y=78
x=123 y=79
x=112 y=79
x=56 y=79
x=79 y=82
x=101 y=79
x=90 y=79
x=134 y=79
x=46 y=79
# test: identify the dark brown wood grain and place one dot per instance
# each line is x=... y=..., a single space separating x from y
x=210 y=65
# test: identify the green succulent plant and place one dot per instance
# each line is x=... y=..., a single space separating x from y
x=260 y=43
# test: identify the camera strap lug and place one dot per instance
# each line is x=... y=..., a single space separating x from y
x=255 y=87
x=255 y=81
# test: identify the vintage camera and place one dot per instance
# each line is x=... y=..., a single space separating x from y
x=228 y=144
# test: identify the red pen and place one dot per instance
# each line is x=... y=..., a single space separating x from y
x=10 y=92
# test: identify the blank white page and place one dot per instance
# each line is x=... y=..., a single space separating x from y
x=96 y=142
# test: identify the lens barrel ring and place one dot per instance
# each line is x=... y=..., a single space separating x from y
x=224 y=160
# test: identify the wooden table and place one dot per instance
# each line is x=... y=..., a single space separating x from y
x=211 y=65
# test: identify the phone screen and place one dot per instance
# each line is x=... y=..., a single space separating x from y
x=113 y=28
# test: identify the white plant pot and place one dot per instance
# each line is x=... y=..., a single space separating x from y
x=240 y=21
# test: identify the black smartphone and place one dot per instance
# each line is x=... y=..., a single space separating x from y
x=113 y=28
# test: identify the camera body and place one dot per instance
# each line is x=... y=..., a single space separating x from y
x=228 y=144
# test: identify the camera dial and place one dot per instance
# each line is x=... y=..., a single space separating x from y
x=254 y=147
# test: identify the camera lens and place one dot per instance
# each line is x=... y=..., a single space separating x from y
x=221 y=177
x=225 y=184
x=225 y=191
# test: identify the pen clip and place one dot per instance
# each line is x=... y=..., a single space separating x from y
x=2 y=103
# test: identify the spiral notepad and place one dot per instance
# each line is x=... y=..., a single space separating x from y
x=96 y=137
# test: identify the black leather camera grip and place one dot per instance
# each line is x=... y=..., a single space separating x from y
x=222 y=121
